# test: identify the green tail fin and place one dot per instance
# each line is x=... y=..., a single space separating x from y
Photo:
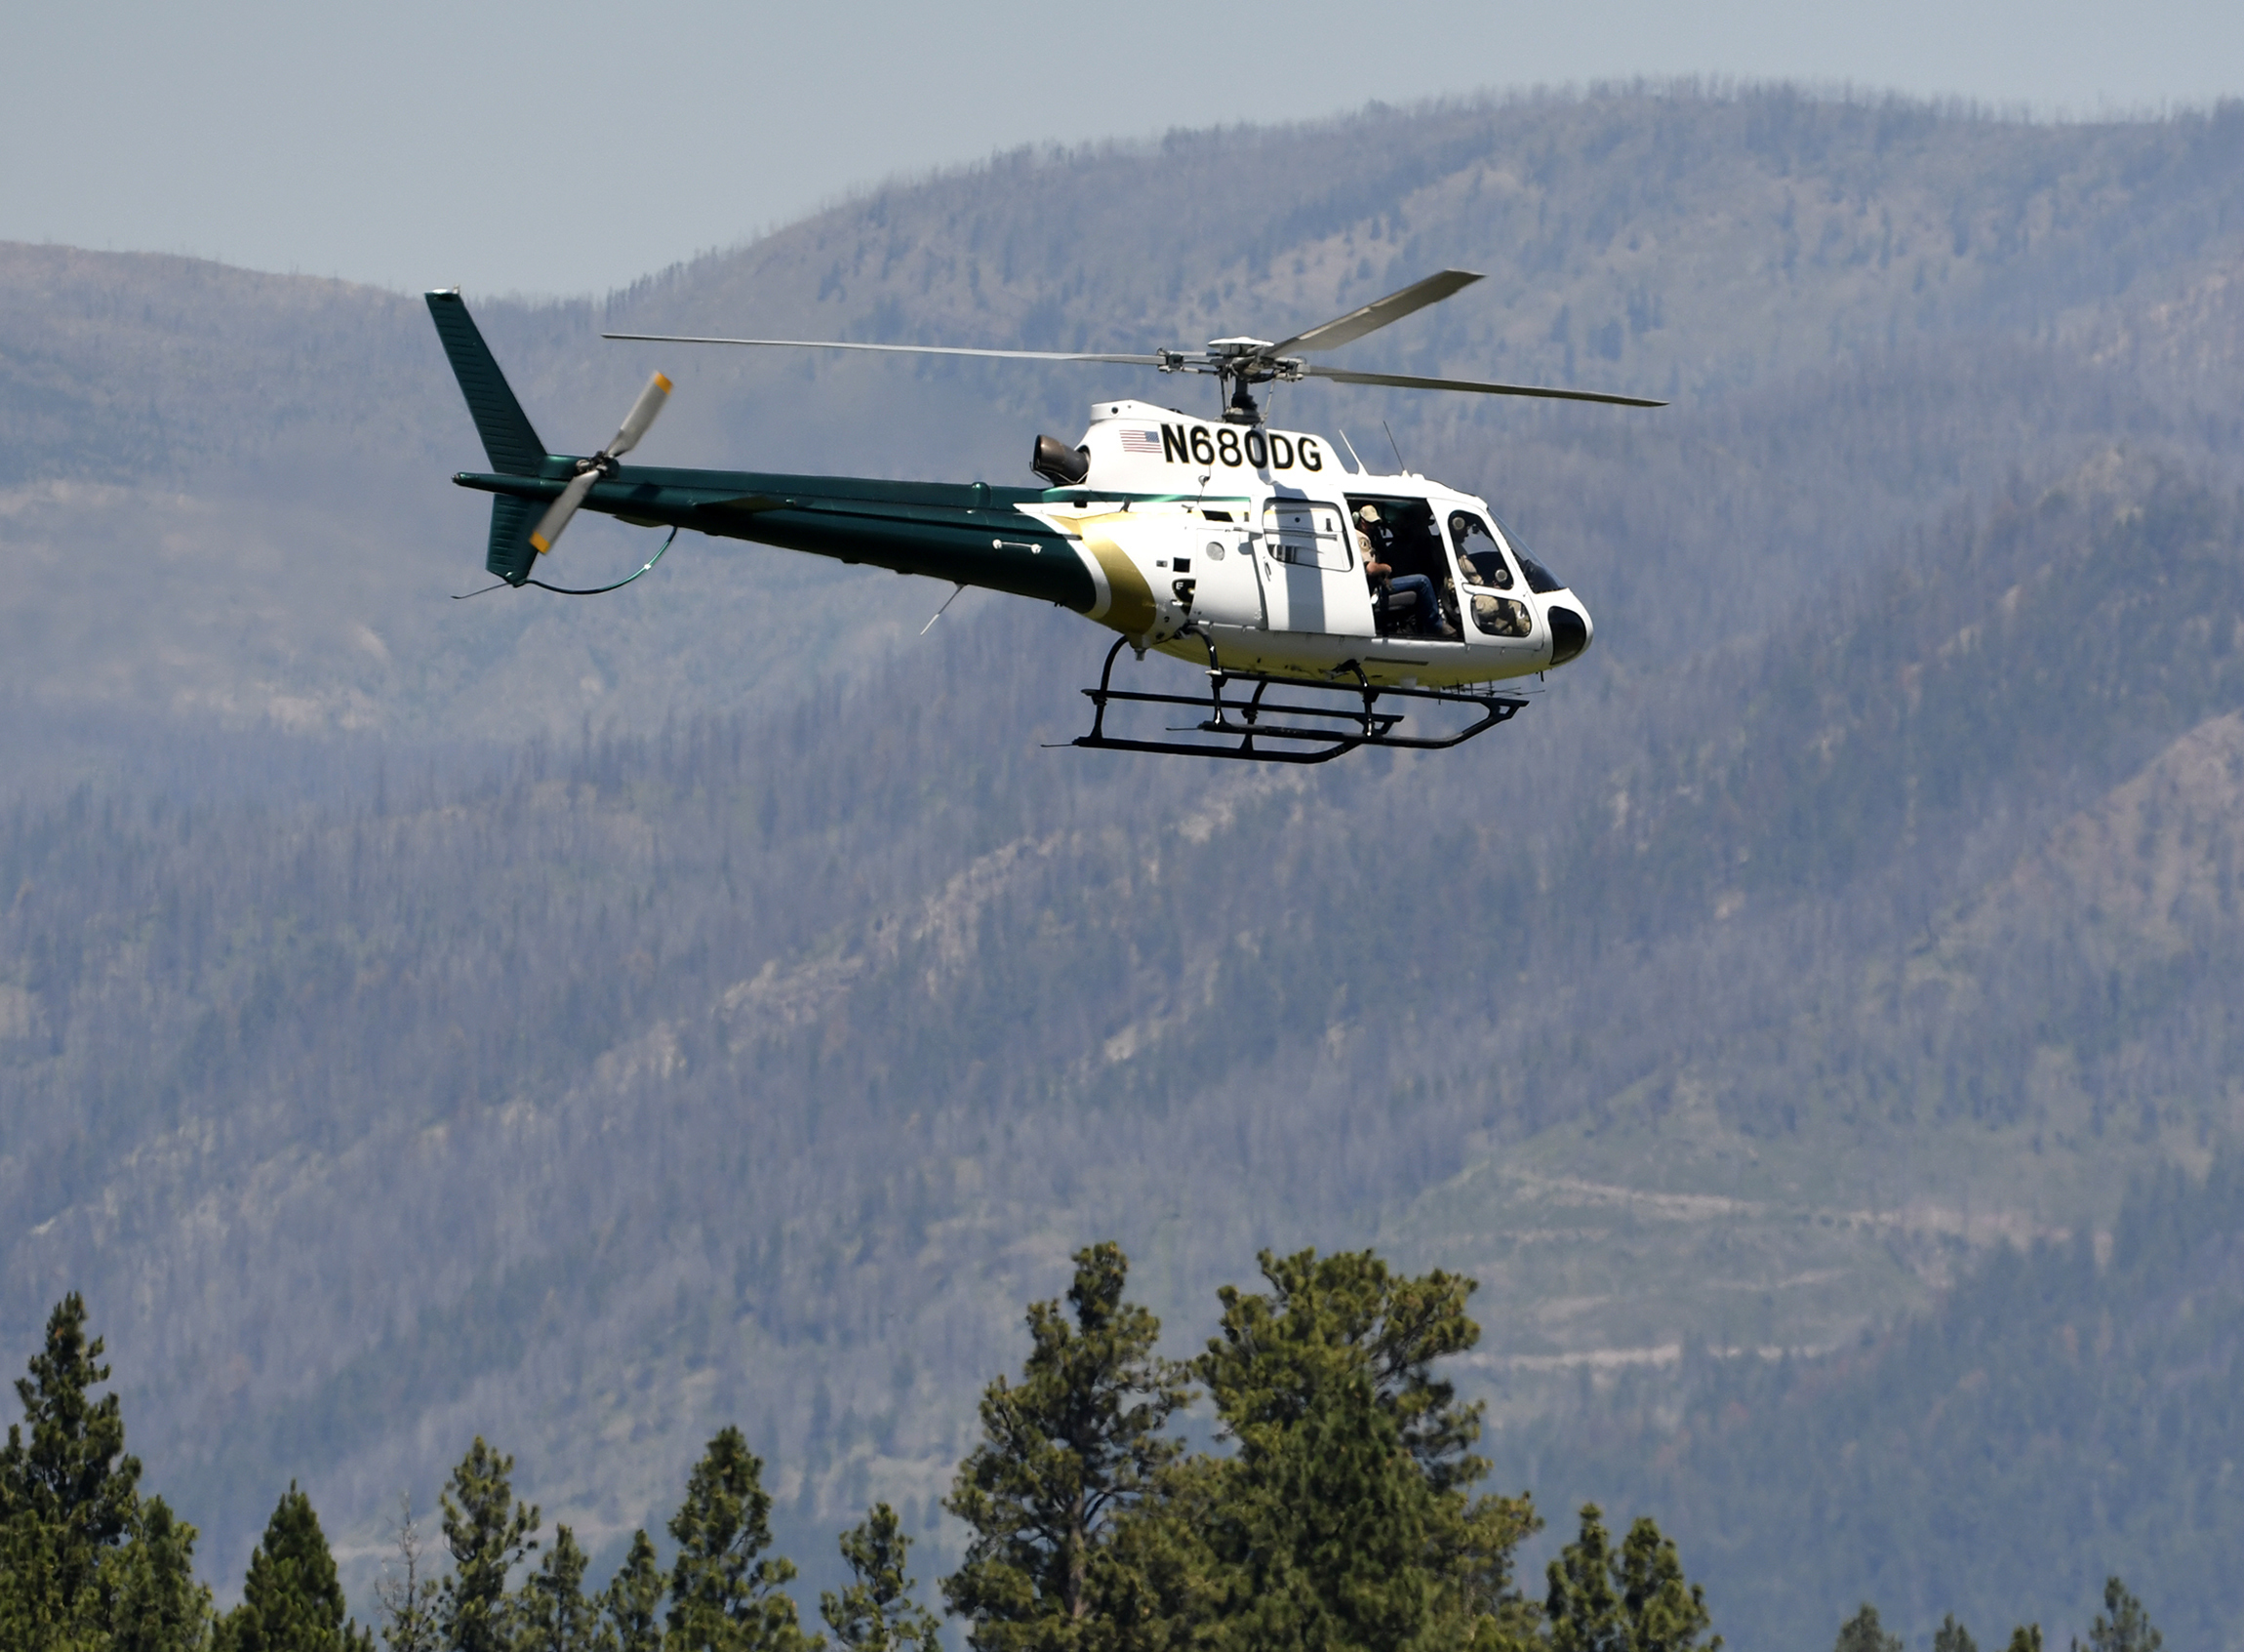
x=511 y=555
x=513 y=446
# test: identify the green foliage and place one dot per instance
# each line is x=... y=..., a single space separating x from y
x=1862 y=1633
x=2123 y=1625
x=67 y=1492
x=1583 y=1602
x=1342 y=1320
x=154 y=1603
x=34 y=1612
x=292 y=1600
x=1952 y=1636
x=551 y=1611
x=1481 y=1596
x=724 y=1598
x=488 y=1534
x=877 y=1612
x=86 y=1563
x=1664 y=1612
x=1637 y=1600
x=1322 y=1532
x=1341 y=1518
x=1065 y=1454
x=633 y=1602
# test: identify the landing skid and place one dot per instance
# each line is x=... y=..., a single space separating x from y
x=1286 y=740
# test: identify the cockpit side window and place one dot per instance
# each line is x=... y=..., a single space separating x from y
x=1487 y=570
x=1479 y=558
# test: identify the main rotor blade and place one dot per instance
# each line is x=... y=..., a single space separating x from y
x=1376 y=314
x=1411 y=381
x=894 y=349
x=642 y=415
x=557 y=513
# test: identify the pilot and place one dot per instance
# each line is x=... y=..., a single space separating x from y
x=1484 y=568
x=1377 y=541
x=1476 y=551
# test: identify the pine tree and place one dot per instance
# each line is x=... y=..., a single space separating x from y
x=2027 y=1637
x=1664 y=1611
x=1584 y=1603
x=552 y=1613
x=292 y=1600
x=877 y=1612
x=1342 y=1517
x=1318 y=1534
x=1480 y=1579
x=68 y=1494
x=1634 y=1601
x=488 y=1534
x=1862 y=1633
x=34 y=1614
x=1064 y=1455
x=2123 y=1625
x=1952 y=1636
x=1348 y=1316
x=723 y=1598
x=154 y=1602
x=634 y=1599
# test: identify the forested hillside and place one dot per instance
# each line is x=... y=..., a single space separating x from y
x=2069 y=1412
x=714 y=1004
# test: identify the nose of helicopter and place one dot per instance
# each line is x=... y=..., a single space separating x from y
x=1570 y=629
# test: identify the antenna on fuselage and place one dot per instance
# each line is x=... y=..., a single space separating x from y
x=945 y=608
x=1397 y=446
x=1362 y=469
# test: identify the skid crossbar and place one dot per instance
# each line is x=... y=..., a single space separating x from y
x=1248 y=720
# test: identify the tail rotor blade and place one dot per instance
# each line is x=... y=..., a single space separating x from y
x=641 y=416
x=634 y=425
x=557 y=514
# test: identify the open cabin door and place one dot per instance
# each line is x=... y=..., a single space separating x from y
x=1311 y=578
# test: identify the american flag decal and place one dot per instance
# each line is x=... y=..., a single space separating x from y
x=1141 y=441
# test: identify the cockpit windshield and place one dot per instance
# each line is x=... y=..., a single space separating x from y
x=1540 y=580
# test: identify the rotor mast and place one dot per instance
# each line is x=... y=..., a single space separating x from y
x=1239 y=363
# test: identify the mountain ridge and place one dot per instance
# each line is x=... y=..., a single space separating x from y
x=589 y=1024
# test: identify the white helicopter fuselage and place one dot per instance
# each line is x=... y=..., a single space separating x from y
x=1200 y=534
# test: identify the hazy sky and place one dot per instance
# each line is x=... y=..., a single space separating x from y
x=567 y=146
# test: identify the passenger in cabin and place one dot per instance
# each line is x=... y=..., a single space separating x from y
x=1375 y=540
x=1381 y=530
x=1379 y=576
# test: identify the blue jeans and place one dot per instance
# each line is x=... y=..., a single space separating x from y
x=1425 y=618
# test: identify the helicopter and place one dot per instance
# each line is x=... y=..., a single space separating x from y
x=1325 y=599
